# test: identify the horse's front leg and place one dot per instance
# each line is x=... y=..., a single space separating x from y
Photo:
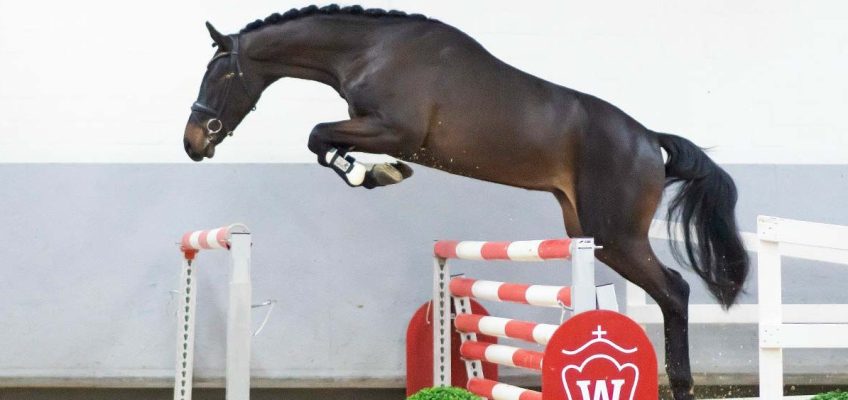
x=331 y=141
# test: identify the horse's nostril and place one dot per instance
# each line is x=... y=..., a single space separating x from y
x=195 y=141
x=190 y=152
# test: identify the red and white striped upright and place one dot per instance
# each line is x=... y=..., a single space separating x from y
x=579 y=297
x=236 y=239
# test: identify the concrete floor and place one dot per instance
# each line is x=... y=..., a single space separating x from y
x=716 y=392
x=199 y=394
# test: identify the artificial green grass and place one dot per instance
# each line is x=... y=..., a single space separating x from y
x=837 y=395
x=445 y=393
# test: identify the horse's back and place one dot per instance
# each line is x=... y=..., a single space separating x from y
x=472 y=114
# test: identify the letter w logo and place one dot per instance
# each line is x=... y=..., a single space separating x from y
x=601 y=390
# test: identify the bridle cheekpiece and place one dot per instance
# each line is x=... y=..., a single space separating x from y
x=214 y=125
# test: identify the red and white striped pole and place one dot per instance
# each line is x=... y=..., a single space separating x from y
x=527 y=250
x=500 y=391
x=210 y=239
x=505 y=328
x=503 y=355
x=534 y=295
x=235 y=238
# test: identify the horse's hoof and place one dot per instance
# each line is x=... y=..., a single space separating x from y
x=386 y=174
x=404 y=169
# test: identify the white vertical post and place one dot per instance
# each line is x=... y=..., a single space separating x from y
x=635 y=295
x=441 y=307
x=582 y=274
x=238 y=319
x=770 y=308
x=473 y=368
x=606 y=298
x=185 y=332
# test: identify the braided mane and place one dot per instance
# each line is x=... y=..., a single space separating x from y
x=332 y=9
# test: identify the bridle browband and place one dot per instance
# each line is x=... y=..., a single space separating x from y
x=214 y=125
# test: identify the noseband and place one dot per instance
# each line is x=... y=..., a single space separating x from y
x=214 y=125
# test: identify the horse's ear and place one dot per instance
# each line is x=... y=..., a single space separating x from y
x=219 y=38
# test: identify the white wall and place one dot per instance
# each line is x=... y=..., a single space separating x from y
x=89 y=81
x=762 y=81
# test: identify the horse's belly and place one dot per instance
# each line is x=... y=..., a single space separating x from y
x=496 y=158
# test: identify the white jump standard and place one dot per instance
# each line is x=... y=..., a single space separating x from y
x=581 y=296
x=236 y=239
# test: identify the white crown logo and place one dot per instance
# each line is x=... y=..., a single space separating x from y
x=601 y=392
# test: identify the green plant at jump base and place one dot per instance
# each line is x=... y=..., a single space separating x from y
x=443 y=393
x=837 y=395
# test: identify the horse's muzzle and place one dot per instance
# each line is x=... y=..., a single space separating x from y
x=196 y=144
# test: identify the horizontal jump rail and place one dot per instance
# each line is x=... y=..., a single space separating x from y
x=536 y=295
x=528 y=250
x=500 y=391
x=503 y=355
x=505 y=328
x=210 y=239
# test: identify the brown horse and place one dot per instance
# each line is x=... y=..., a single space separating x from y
x=424 y=92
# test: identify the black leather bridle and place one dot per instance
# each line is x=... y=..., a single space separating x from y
x=214 y=125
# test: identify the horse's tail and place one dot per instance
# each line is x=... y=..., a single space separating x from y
x=704 y=205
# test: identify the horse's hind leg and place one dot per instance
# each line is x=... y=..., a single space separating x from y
x=616 y=208
x=634 y=259
x=331 y=140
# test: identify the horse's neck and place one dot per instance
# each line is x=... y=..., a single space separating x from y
x=313 y=48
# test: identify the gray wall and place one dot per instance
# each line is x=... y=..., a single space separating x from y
x=89 y=258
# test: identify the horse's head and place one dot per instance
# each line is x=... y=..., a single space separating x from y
x=226 y=96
